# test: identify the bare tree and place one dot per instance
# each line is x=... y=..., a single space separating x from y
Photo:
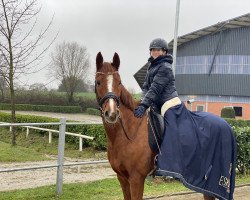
x=38 y=87
x=18 y=47
x=2 y=88
x=70 y=64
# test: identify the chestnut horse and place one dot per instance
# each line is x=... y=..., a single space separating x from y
x=129 y=153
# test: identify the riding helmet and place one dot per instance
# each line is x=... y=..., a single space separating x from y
x=159 y=43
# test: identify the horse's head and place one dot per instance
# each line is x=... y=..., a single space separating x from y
x=108 y=87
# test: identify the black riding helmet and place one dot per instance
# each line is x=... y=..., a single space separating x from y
x=159 y=43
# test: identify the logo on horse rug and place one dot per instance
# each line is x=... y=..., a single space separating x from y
x=198 y=148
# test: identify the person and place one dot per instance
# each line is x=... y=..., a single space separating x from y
x=159 y=85
x=198 y=148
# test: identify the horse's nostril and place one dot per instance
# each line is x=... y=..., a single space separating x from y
x=112 y=116
x=106 y=114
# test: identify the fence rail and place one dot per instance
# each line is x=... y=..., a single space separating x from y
x=50 y=131
x=54 y=165
x=60 y=158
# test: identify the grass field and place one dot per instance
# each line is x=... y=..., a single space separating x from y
x=9 y=153
x=36 y=146
x=107 y=189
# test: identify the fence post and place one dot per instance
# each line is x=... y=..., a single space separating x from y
x=60 y=159
x=50 y=136
x=28 y=132
x=80 y=144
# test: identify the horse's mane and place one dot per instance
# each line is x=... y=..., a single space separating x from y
x=127 y=99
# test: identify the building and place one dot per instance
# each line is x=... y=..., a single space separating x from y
x=213 y=67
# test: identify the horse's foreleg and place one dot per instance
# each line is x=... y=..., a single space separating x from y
x=136 y=187
x=208 y=198
x=125 y=187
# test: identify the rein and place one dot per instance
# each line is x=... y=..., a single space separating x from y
x=125 y=132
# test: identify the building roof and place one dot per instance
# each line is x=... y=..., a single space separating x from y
x=241 y=21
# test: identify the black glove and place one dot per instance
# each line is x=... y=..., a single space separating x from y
x=140 y=110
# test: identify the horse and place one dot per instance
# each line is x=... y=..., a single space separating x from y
x=129 y=153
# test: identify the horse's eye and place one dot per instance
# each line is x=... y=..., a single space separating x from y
x=98 y=82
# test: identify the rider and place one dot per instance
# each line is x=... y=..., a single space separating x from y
x=159 y=91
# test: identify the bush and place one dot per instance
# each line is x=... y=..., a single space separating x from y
x=243 y=149
x=93 y=111
x=96 y=131
x=228 y=113
x=238 y=122
x=42 y=97
x=86 y=103
x=43 y=108
x=38 y=97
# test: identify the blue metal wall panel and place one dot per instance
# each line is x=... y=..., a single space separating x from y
x=234 y=42
x=215 y=84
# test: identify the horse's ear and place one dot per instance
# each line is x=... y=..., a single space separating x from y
x=99 y=61
x=116 y=61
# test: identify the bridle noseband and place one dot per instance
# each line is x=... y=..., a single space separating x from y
x=108 y=95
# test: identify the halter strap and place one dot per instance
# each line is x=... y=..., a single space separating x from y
x=109 y=95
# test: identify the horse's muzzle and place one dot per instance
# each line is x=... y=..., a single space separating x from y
x=111 y=117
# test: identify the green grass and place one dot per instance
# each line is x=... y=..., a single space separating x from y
x=107 y=189
x=240 y=179
x=87 y=95
x=37 y=144
x=9 y=153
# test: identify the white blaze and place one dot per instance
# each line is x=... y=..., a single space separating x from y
x=110 y=89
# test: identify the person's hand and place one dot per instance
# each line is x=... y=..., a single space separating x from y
x=139 y=111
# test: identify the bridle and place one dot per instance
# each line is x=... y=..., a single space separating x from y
x=112 y=95
x=108 y=95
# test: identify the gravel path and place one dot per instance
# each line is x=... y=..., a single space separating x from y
x=76 y=117
x=241 y=193
x=41 y=177
x=80 y=174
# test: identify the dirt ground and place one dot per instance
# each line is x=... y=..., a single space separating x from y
x=75 y=174
x=41 y=177
x=76 y=117
x=241 y=193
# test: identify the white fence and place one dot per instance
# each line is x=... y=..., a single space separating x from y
x=50 y=131
x=61 y=143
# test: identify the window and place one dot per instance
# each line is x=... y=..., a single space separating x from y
x=200 y=108
x=238 y=111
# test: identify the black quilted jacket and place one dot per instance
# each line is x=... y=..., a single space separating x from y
x=159 y=85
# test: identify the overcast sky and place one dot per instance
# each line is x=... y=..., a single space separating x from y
x=126 y=27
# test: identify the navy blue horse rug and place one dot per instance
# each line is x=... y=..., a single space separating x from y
x=198 y=148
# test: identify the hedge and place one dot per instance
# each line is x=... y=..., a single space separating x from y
x=96 y=131
x=43 y=108
x=93 y=111
x=240 y=127
x=243 y=149
x=228 y=113
x=238 y=122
